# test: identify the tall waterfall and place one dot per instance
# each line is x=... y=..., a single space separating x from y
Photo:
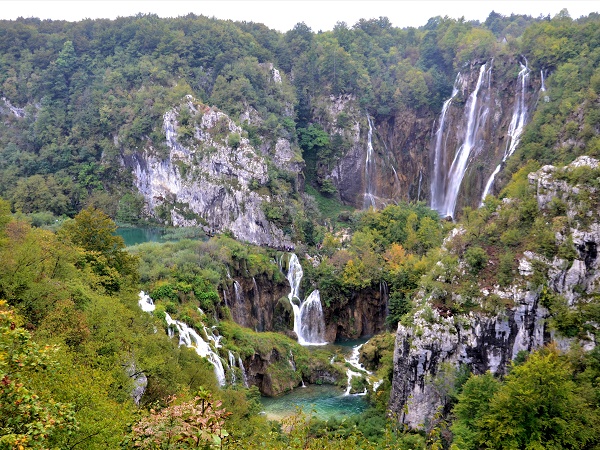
x=309 y=321
x=543 y=88
x=369 y=199
x=476 y=115
x=517 y=123
x=439 y=166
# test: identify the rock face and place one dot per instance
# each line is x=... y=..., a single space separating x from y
x=363 y=315
x=482 y=342
x=259 y=304
x=404 y=145
x=432 y=342
x=210 y=176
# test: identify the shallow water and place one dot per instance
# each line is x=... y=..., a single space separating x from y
x=135 y=235
x=323 y=402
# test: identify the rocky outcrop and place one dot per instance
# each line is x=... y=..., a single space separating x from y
x=434 y=342
x=259 y=303
x=210 y=175
x=265 y=372
x=479 y=341
x=363 y=315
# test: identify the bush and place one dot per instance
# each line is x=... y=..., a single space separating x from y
x=476 y=258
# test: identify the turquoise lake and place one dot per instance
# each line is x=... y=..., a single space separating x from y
x=323 y=402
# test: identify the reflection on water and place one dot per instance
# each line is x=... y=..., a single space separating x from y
x=323 y=402
x=134 y=235
x=141 y=235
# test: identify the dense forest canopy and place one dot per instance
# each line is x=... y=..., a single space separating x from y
x=80 y=98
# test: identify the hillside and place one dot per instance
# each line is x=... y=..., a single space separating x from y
x=434 y=187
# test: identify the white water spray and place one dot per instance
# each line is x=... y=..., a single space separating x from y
x=190 y=338
x=517 y=124
x=476 y=116
x=369 y=199
x=145 y=302
x=309 y=321
x=437 y=180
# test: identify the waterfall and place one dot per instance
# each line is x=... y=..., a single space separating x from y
x=232 y=367
x=294 y=276
x=476 y=116
x=353 y=361
x=238 y=292
x=312 y=322
x=243 y=369
x=420 y=180
x=517 y=123
x=360 y=370
x=369 y=199
x=309 y=322
x=437 y=180
x=256 y=291
x=145 y=302
x=189 y=338
x=543 y=88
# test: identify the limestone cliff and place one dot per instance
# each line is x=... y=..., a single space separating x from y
x=210 y=176
x=511 y=318
x=404 y=160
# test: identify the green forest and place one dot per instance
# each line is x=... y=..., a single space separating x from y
x=80 y=99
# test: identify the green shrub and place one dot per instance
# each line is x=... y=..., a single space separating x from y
x=476 y=258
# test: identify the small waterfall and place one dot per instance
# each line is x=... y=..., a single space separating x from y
x=476 y=116
x=238 y=292
x=145 y=302
x=354 y=362
x=243 y=369
x=369 y=199
x=439 y=166
x=256 y=291
x=312 y=321
x=543 y=88
x=189 y=338
x=420 y=180
x=309 y=322
x=232 y=367
x=515 y=129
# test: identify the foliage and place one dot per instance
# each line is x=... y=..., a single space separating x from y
x=27 y=420
x=537 y=406
x=198 y=423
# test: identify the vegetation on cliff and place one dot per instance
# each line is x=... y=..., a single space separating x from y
x=79 y=98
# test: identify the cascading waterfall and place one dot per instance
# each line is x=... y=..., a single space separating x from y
x=543 y=88
x=515 y=129
x=189 y=338
x=446 y=202
x=232 y=366
x=439 y=166
x=309 y=321
x=238 y=292
x=369 y=199
x=360 y=370
x=145 y=302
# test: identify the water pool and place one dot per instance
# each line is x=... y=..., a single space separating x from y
x=323 y=402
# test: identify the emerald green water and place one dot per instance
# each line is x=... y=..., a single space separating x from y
x=323 y=402
x=134 y=235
